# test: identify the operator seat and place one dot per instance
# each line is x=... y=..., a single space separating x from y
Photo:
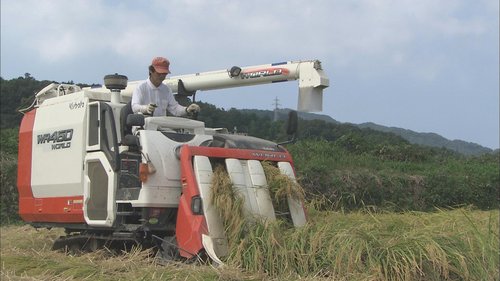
x=124 y=112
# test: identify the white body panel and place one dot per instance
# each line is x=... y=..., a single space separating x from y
x=250 y=182
x=58 y=169
x=171 y=124
x=216 y=235
x=296 y=208
x=163 y=188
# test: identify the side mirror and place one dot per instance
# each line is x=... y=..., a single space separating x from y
x=291 y=127
x=292 y=123
x=135 y=120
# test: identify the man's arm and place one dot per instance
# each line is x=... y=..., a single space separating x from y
x=139 y=104
x=173 y=106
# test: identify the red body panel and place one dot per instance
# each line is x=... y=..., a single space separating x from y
x=189 y=226
x=24 y=155
x=60 y=209
x=56 y=209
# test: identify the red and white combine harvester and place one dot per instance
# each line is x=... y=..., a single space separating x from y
x=90 y=166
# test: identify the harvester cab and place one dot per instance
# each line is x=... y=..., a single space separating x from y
x=89 y=165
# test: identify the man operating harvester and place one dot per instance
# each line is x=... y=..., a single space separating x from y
x=152 y=97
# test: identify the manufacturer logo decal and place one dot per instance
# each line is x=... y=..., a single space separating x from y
x=268 y=155
x=272 y=71
x=76 y=105
x=59 y=139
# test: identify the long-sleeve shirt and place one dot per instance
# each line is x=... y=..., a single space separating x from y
x=162 y=96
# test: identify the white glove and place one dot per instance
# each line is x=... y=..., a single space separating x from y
x=149 y=109
x=193 y=108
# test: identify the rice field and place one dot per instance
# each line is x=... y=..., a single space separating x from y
x=455 y=244
x=444 y=245
x=460 y=244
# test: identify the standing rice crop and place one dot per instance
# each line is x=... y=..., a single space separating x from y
x=460 y=244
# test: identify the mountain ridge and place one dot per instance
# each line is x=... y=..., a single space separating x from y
x=420 y=138
x=431 y=139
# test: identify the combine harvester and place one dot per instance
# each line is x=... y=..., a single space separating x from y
x=105 y=175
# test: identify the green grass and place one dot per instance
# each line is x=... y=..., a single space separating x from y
x=353 y=179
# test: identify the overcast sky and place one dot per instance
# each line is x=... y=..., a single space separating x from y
x=423 y=65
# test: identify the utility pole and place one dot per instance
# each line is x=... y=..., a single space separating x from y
x=276 y=108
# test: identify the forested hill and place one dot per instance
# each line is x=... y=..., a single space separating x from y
x=432 y=139
x=425 y=139
x=18 y=93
